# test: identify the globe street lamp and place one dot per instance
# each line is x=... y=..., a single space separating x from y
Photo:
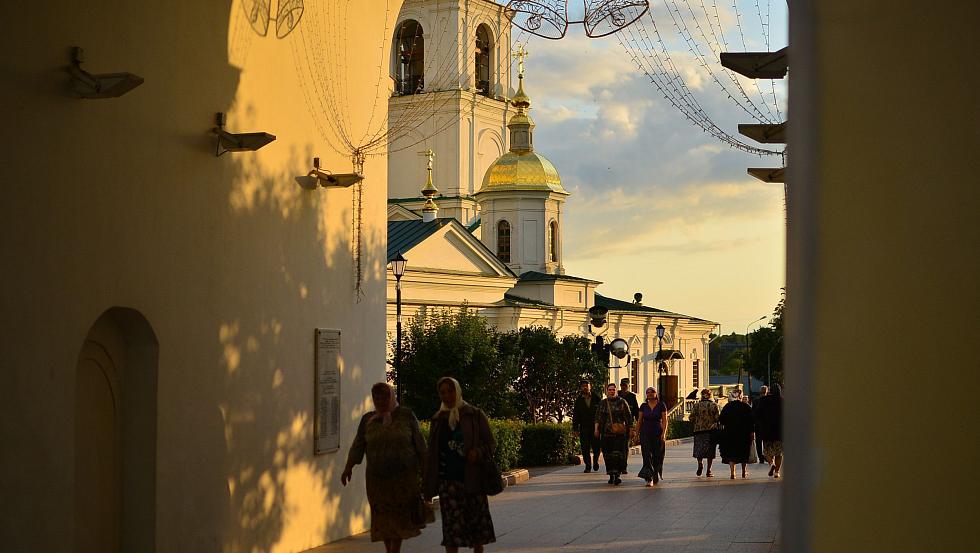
x=398 y=268
x=661 y=366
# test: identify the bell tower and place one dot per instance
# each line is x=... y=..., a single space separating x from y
x=449 y=66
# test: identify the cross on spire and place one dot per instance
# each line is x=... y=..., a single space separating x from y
x=519 y=56
x=429 y=154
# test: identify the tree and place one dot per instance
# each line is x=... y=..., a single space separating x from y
x=463 y=345
x=548 y=371
x=766 y=354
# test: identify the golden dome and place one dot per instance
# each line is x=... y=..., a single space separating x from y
x=522 y=171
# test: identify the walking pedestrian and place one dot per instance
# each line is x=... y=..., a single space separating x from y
x=395 y=449
x=704 y=417
x=613 y=421
x=763 y=391
x=583 y=423
x=630 y=397
x=771 y=428
x=753 y=459
x=652 y=430
x=738 y=429
x=461 y=442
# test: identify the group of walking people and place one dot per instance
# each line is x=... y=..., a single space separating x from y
x=453 y=466
x=745 y=432
x=609 y=424
x=403 y=472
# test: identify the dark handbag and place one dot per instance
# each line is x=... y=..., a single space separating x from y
x=423 y=512
x=490 y=479
x=617 y=427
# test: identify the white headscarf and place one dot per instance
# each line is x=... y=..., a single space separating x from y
x=454 y=412
x=734 y=394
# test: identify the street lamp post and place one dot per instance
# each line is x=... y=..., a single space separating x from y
x=768 y=357
x=660 y=362
x=398 y=268
x=745 y=358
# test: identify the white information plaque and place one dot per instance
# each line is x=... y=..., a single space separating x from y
x=326 y=426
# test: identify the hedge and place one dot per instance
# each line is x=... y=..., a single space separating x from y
x=527 y=445
x=679 y=429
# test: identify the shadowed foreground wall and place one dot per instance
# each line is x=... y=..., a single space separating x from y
x=882 y=277
x=121 y=203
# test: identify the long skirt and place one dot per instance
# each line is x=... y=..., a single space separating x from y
x=466 y=518
x=614 y=452
x=735 y=447
x=704 y=446
x=653 y=449
x=773 y=449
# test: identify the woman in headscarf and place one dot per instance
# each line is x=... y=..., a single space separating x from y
x=739 y=428
x=770 y=415
x=652 y=430
x=460 y=441
x=612 y=416
x=395 y=449
x=704 y=416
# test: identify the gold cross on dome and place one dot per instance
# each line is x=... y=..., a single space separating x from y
x=429 y=154
x=519 y=56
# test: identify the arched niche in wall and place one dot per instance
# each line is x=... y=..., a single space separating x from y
x=114 y=438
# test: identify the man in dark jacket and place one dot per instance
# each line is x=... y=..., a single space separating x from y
x=583 y=422
x=630 y=397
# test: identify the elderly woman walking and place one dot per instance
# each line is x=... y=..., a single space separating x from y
x=704 y=417
x=395 y=450
x=613 y=422
x=739 y=428
x=461 y=443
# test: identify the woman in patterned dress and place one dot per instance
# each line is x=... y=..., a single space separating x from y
x=460 y=440
x=613 y=409
x=395 y=449
x=704 y=416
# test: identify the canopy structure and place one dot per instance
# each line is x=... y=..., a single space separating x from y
x=669 y=355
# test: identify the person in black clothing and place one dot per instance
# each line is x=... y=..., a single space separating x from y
x=583 y=421
x=770 y=428
x=630 y=398
x=755 y=414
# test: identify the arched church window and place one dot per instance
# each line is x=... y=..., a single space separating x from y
x=484 y=49
x=503 y=241
x=409 y=54
x=553 y=240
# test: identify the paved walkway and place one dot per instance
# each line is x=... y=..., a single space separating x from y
x=568 y=511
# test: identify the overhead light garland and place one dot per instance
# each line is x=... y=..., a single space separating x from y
x=549 y=18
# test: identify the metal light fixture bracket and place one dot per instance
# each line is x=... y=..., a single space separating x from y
x=237 y=142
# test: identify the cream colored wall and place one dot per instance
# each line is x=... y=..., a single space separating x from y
x=881 y=254
x=121 y=202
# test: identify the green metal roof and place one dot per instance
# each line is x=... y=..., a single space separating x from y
x=537 y=276
x=405 y=235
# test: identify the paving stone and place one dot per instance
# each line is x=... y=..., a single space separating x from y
x=567 y=511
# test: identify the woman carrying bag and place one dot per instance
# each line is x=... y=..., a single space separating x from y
x=612 y=426
x=459 y=469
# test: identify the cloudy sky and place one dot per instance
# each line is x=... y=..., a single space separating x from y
x=658 y=206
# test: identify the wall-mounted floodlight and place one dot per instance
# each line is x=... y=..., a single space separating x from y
x=105 y=85
x=326 y=179
x=238 y=142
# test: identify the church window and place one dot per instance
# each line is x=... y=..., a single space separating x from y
x=503 y=241
x=409 y=53
x=484 y=49
x=553 y=241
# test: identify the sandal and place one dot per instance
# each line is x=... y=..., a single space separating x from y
x=709 y=475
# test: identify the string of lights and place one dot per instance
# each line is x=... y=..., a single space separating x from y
x=657 y=64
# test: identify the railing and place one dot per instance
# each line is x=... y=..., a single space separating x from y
x=677 y=412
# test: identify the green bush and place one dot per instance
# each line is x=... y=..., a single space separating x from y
x=547 y=444
x=679 y=429
x=506 y=434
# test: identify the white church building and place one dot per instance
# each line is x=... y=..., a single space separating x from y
x=479 y=213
